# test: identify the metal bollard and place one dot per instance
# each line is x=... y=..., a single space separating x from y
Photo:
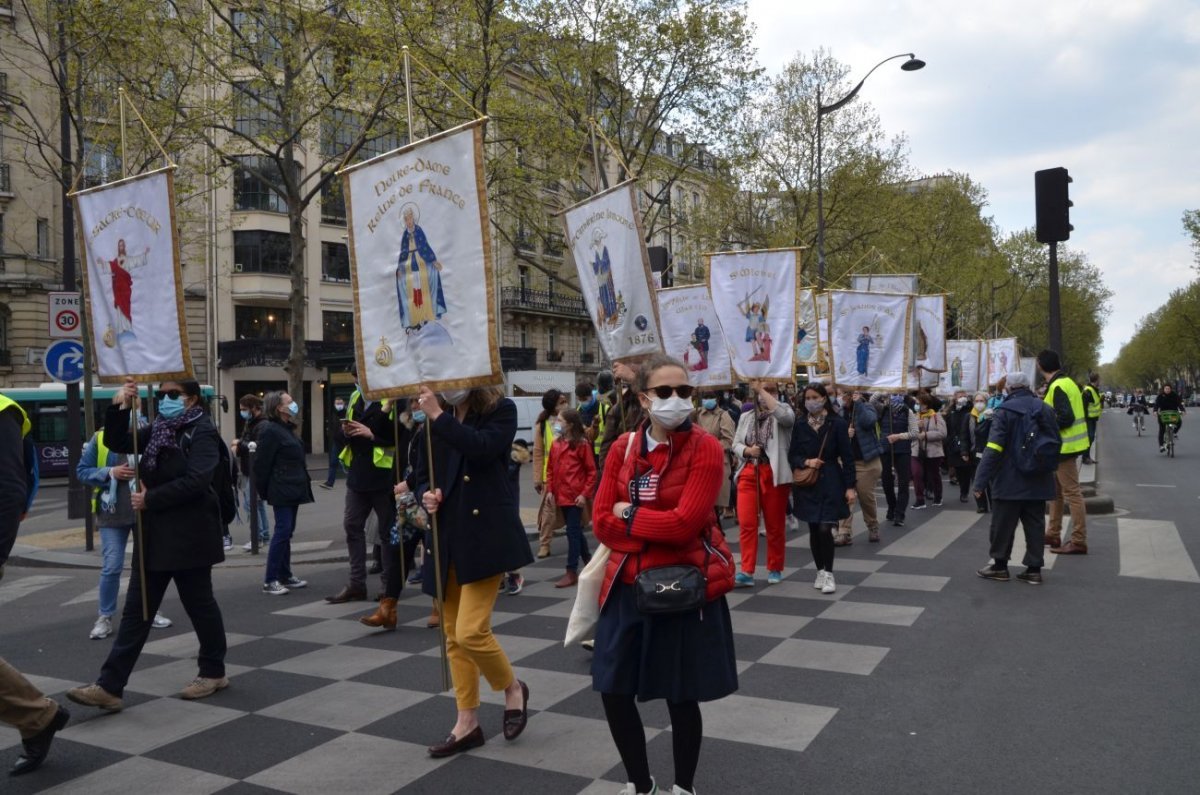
x=253 y=494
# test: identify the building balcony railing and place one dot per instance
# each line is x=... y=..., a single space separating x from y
x=554 y=356
x=274 y=353
x=518 y=358
x=542 y=301
x=587 y=357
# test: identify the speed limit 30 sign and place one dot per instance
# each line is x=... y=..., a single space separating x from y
x=64 y=315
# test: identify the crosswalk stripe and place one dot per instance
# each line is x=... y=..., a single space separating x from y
x=11 y=591
x=1153 y=549
x=93 y=595
x=931 y=538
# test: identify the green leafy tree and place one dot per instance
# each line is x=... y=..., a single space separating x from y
x=1191 y=227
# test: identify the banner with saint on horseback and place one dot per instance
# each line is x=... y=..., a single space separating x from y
x=421 y=266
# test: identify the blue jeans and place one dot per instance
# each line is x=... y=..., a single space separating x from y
x=334 y=464
x=264 y=529
x=577 y=546
x=279 y=556
x=112 y=555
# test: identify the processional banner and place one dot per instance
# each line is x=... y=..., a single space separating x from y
x=1002 y=357
x=929 y=339
x=1029 y=368
x=965 y=371
x=605 y=236
x=807 y=334
x=871 y=334
x=756 y=300
x=820 y=370
x=904 y=283
x=421 y=267
x=692 y=335
x=132 y=282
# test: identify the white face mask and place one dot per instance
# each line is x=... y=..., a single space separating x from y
x=455 y=396
x=980 y=405
x=670 y=413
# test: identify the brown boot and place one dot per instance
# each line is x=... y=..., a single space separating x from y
x=544 y=551
x=384 y=616
x=435 y=620
x=569 y=579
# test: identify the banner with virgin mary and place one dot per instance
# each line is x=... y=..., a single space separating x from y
x=692 y=335
x=421 y=267
x=871 y=334
x=132 y=282
x=1003 y=357
x=606 y=241
x=756 y=299
x=964 y=371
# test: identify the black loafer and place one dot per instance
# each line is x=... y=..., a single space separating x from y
x=35 y=749
x=452 y=745
x=347 y=594
x=515 y=719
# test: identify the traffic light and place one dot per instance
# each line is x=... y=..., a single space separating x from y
x=1053 y=205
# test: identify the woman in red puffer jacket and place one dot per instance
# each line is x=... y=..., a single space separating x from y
x=672 y=472
x=571 y=480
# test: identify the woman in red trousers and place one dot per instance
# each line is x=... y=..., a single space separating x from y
x=570 y=482
x=764 y=480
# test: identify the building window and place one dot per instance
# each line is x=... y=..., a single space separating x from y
x=252 y=189
x=255 y=40
x=583 y=342
x=523 y=277
x=524 y=336
x=261 y=322
x=254 y=111
x=554 y=244
x=335 y=262
x=552 y=338
x=337 y=326
x=100 y=164
x=1 y=236
x=262 y=252
x=550 y=289
x=5 y=354
x=333 y=202
x=43 y=238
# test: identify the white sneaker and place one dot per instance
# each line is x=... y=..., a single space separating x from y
x=630 y=789
x=819 y=583
x=829 y=586
x=249 y=545
x=228 y=543
x=274 y=588
x=160 y=621
x=102 y=628
x=678 y=790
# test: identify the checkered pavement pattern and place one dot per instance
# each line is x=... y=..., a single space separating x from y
x=319 y=704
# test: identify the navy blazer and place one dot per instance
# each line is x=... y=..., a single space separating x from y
x=826 y=501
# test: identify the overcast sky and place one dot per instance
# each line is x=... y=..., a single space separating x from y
x=1109 y=89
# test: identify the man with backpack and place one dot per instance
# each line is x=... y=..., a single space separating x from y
x=1019 y=467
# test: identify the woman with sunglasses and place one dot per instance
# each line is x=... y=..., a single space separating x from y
x=182 y=531
x=764 y=480
x=655 y=508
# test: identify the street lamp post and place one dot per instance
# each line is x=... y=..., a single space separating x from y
x=912 y=64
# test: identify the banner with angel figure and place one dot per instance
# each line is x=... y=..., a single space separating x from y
x=692 y=335
x=964 y=372
x=132 y=284
x=756 y=299
x=871 y=334
x=1002 y=358
x=421 y=266
x=606 y=240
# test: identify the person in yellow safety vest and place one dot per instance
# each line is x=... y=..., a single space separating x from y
x=369 y=435
x=1093 y=406
x=1064 y=397
x=110 y=478
x=22 y=705
x=553 y=401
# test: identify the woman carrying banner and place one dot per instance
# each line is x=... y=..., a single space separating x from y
x=672 y=472
x=281 y=477
x=763 y=481
x=481 y=537
x=822 y=442
x=553 y=401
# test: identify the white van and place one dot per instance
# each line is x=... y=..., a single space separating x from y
x=528 y=409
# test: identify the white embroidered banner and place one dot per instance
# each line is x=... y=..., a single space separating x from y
x=133 y=287
x=871 y=335
x=806 y=327
x=605 y=237
x=929 y=330
x=755 y=296
x=1002 y=358
x=820 y=371
x=905 y=283
x=692 y=335
x=1029 y=368
x=421 y=267
x=965 y=368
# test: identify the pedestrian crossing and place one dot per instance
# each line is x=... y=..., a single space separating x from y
x=1153 y=549
x=10 y=591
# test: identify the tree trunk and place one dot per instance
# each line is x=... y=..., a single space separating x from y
x=297 y=301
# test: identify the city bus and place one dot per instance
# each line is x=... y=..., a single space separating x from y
x=47 y=409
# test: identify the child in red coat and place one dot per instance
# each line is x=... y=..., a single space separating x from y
x=571 y=479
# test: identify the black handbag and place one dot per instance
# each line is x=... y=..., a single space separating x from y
x=670 y=589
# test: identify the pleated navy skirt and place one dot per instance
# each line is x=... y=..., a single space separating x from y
x=679 y=657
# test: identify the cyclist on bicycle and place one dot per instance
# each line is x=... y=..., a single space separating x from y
x=1167 y=400
x=1138 y=407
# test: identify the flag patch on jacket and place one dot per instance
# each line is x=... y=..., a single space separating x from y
x=644 y=488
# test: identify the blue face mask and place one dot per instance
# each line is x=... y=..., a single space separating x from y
x=418 y=416
x=293 y=408
x=170 y=407
x=710 y=403
x=244 y=414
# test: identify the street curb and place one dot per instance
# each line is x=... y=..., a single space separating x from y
x=1095 y=503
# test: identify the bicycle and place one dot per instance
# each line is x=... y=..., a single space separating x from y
x=1170 y=420
x=1139 y=422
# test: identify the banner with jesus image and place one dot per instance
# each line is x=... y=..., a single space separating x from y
x=421 y=267
x=692 y=335
x=132 y=283
x=606 y=241
x=871 y=335
x=755 y=296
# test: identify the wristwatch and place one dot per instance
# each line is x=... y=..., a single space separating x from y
x=627 y=513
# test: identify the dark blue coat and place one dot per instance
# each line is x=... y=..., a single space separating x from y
x=998 y=469
x=826 y=501
x=479 y=526
x=280 y=465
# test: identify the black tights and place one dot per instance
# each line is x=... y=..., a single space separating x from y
x=820 y=540
x=625 y=724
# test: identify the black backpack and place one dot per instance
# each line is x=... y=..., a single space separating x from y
x=1036 y=442
x=224 y=479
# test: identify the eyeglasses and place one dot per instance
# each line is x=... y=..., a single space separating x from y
x=168 y=393
x=663 y=392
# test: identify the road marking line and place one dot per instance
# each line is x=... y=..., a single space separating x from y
x=28 y=585
x=1155 y=486
x=1154 y=550
x=933 y=536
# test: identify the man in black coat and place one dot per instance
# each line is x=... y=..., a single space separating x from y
x=1015 y=495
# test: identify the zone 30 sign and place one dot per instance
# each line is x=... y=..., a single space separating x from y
x=64 y=315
